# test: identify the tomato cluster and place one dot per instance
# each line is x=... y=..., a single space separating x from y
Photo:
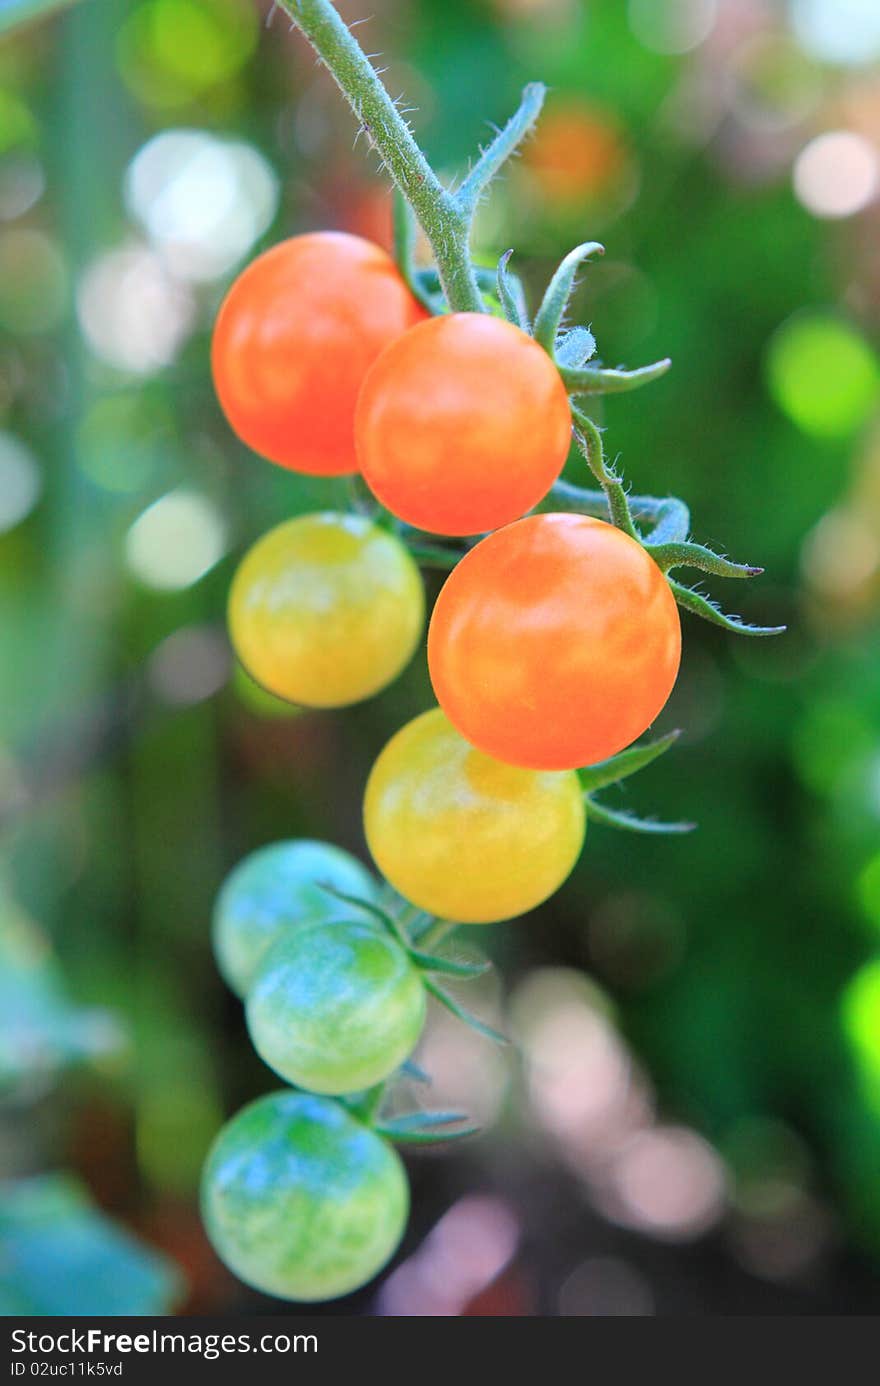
x=553 y=645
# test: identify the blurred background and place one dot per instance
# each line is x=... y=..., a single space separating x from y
x=691 y=1124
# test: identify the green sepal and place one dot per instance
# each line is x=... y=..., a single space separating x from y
x=499 y=150
x=593 y=380
x=558 y=292
x=462 y=1013
x=430 y=963
x=629 y=762
x=424 y=1128
x=434 y=555
x=410 y=1069
x=629 y=822
x=702 y=606
x=404 y=225
x=575 y=347
x=686 y=554
x=369 y=907
x=510 y=296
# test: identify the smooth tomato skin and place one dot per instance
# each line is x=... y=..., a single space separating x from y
x=554 y=643
x=464 y=836
x=294 y=338
x=462 y=425
x=326 y=609
x=274 y=889
x=335 y=1006
x=302 y=1201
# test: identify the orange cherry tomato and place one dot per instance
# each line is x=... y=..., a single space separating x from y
x=554 y=643
x=462 y=424
x=294 y=339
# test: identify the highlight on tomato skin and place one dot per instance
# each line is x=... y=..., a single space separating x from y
x=554 y=643
x=301 y=1200
x=462 y=424
x=294 y=338
x=462 y=835
x=326 y=609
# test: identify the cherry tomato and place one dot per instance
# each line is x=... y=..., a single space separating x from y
x=554 y=643
x=294 y=339
x=335 y=1006
x=464 y=836
x=462 y=424
x=326 y=609
x=301 y=1200
x=277 y=888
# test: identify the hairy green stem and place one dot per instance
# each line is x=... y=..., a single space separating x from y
x=590 y=440
x=444 y=217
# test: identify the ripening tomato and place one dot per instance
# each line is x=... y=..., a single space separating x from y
x=301 y=1200
x=276 y=888
x=462 y=425
x=336 y=1005
x=464 y=836
x=294 y=339
x=326 y=609
x=554 y=643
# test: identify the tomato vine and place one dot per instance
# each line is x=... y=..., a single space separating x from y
x=553 y=646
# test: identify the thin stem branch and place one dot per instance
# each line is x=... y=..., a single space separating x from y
x=501 y=148
x=590 y=440
x=440 y=215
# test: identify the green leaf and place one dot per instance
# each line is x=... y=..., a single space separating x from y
x=463 y=1014
x=686 y=554
x=620 y=818
x=593 y=380
x=702 y=606
x=425 y=1128
x=558 y=292
x=627 y=763
x=60 y=1255
x=430 y=963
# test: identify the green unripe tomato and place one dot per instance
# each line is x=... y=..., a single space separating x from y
x=301 y=1200
x=335 y=1006
x=273 y=888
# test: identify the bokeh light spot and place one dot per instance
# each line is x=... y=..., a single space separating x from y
x=860 y=1013
x=175 y=541
x=17 y=125
x=846 y=32
x=134 y=315
x=840 y=554
x=33 y=282
x=20 y=482
x=190 y=666
x=123 y=441
x=172 y=51
x=837 y=174
x=672 y=26
x=202 y=201
x=823 y=374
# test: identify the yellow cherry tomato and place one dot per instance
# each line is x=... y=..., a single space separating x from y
x=326 y=609
x=465 y=836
